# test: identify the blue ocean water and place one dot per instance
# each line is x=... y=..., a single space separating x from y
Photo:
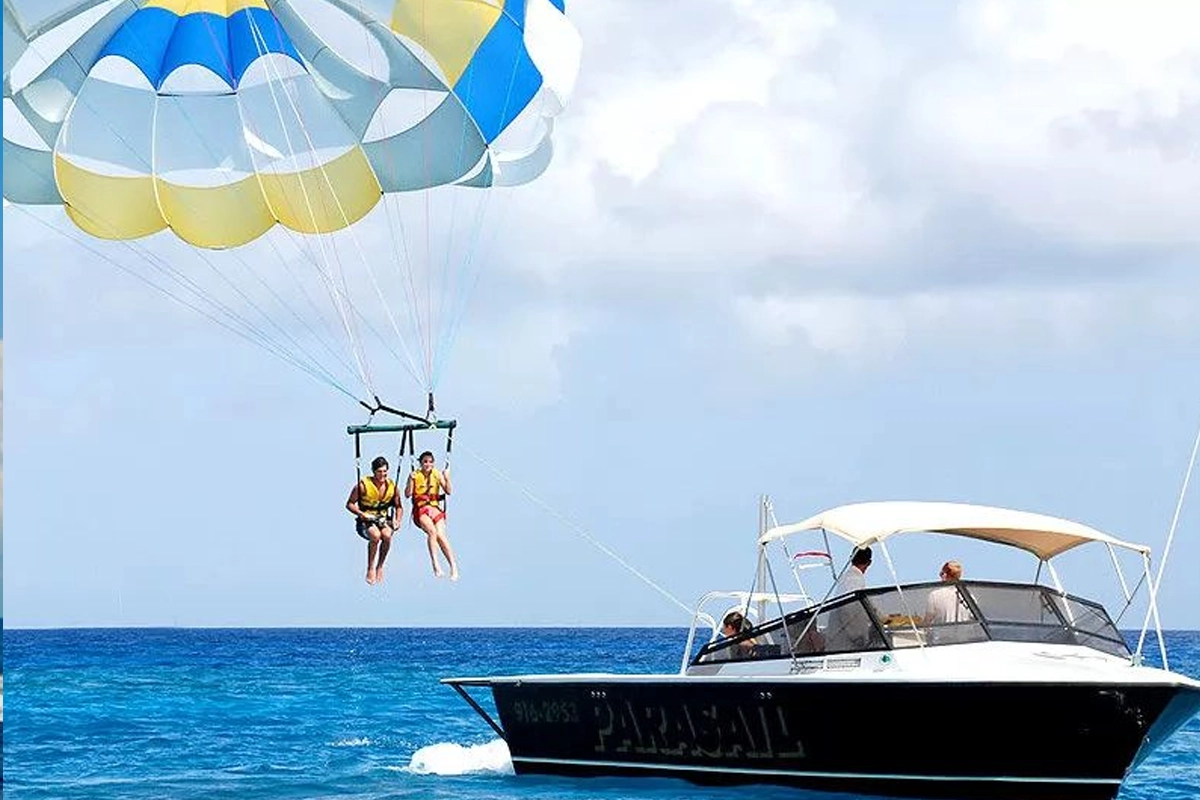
x=351 y=714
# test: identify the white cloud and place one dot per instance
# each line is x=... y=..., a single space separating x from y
x=787 y=140
x=878 y=192
x=1145 y=36
x=739 y=145
x=637 y=109
x=1080 y=120
x=861 y=329
x=512 y=360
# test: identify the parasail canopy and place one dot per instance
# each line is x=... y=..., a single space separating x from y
x=217 y=121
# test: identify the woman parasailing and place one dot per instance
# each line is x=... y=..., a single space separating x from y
x=428 y=488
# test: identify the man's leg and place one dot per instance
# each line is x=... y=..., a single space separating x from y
x=373 y=538
x=385 y=544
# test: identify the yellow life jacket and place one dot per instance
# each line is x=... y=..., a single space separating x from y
x=427 y=491
x=372 y=501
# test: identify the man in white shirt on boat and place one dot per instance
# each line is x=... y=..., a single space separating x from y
x=849 y=626
x=855 y=576
x=943 y=604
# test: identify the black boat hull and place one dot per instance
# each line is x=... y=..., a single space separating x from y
x=1001 y=741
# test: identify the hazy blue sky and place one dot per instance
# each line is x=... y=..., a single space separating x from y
x=797 y=248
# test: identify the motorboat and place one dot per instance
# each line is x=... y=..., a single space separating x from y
x=1021 y=691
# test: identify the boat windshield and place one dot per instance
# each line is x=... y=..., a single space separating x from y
x=927 y=614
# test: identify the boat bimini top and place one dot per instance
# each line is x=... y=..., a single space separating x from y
x=865 y=524
x=1046 y=537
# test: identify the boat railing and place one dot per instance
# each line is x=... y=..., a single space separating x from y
x=742 y=601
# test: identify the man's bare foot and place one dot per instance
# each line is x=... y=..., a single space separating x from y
x=379 y=574
x=370 y=576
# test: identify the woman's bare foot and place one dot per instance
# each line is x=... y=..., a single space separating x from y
x=379 y=574
x=370 y=576
x=437 y=571
x=454 y=573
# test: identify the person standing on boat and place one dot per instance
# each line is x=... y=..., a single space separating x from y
x=428 y=487
x=943 y=604
x=375 y=503
x=855 y=576
x=849 y=626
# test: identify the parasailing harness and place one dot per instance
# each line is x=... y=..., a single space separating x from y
x=407 y=430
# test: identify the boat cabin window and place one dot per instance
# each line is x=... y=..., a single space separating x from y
x=1016 y=613
x=926 y=614
x=843 y=625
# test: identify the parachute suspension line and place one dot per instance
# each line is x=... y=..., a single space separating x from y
x=316 y=372
x=470 y=277
x=307 y=256
x=259 y=41
x=404 y=276
x=237 y=290
x=278 y=298
x=282 y=261
x=233 y=322
x=436 y=332
x=359 y=366
x=351 y=333
x=405 y=273
x=578 y=530
x=326 y=274
x=445 y=333
x=462 y=277
x=452 y=299
x=426 y=197
x=266 y=317
x=255 y=335
x=404 y=270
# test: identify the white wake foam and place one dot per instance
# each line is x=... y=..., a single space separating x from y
x=361 y=741
x=448 y=758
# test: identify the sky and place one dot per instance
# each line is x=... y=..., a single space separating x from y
x=823 y=252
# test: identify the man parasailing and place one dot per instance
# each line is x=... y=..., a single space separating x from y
x=375 y=503
x=428 y=488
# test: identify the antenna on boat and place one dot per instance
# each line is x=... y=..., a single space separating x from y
x=1153 y=606
x=760 y=580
